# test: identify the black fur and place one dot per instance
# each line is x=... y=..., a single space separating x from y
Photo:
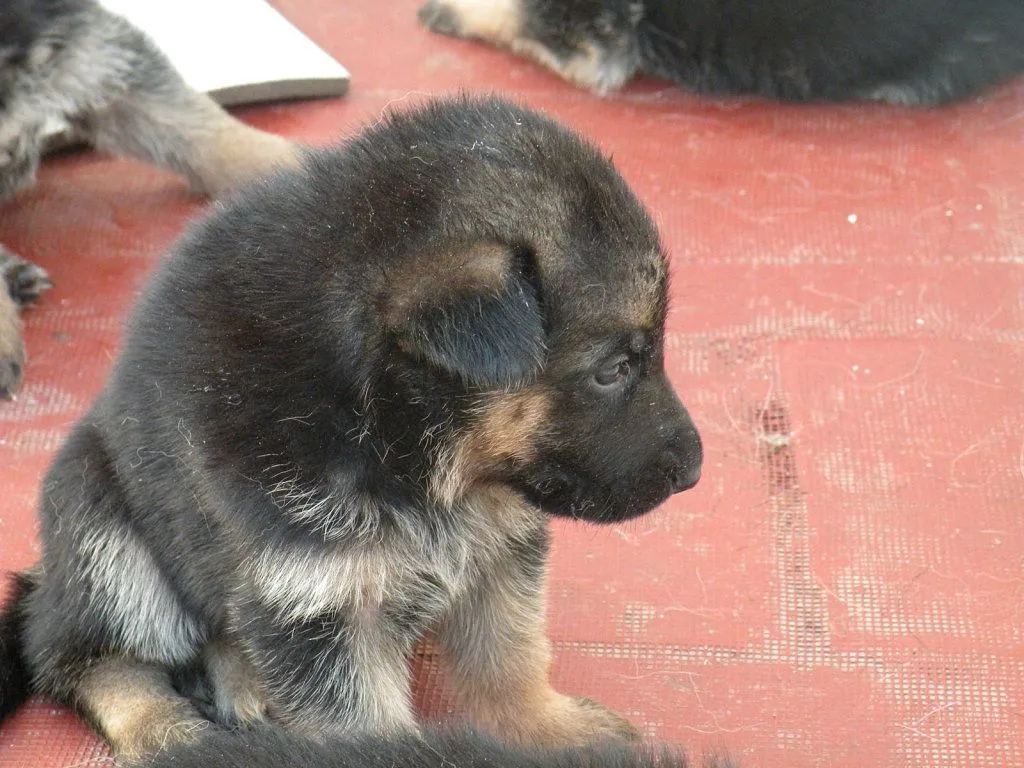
x=272 y=748
x=906 y=51
x=914 y=52
x=15 y=680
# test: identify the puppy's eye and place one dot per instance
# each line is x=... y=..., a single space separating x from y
x=614 y=373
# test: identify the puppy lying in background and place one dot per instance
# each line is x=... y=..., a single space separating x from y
x=912 y=52
x=72 y=62
x=346 y=407
x=273 y=748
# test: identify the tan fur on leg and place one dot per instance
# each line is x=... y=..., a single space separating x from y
x=497 y=656
x=135 y=707
x=238 y=694
x=192 y=135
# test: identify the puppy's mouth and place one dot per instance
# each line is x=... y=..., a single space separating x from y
x=564 y=491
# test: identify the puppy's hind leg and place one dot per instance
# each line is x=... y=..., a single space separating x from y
x=105 y=623
x=155 y=116
x=134 y=706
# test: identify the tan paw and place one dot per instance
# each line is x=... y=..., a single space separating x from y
x=562 y=721
x=496 y=21
x=602 y=723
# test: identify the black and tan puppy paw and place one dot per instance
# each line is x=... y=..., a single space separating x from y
x=25 y=281
x=12 y=351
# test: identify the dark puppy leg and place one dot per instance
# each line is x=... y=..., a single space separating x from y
x=497 y=656
x=25 y=281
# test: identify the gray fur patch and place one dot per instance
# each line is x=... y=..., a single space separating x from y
x=139 y=605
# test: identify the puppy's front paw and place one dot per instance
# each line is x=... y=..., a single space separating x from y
x=563 y=721
x=601 y=724
x=26 y=282
x=438 y=16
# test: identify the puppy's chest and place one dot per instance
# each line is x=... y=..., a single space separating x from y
x=409 y=578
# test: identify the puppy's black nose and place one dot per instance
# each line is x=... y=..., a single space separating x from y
x=682 y=460
x=683 y=476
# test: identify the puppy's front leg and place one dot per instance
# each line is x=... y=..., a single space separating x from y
x=329 y=671
x=497 y=655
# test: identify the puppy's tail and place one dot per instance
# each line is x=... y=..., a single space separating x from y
x=15 y=681
x=268 y=747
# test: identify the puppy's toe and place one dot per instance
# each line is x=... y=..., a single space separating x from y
x=605 y=724
x=440 y=17
x=26 y=282
x=10 y=375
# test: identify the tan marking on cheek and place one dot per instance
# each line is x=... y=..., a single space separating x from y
x=505 y=431
x=509 y=426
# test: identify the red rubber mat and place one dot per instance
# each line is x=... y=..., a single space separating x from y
x=845 y=587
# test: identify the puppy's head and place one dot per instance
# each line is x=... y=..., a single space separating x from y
x=531 y=315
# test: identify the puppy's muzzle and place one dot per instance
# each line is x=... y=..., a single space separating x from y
x=681 y=463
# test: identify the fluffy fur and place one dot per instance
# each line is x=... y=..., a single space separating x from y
x=273 y=748
x=70 y=63
x=14 y=675
x=913 y=52
x=346 y=406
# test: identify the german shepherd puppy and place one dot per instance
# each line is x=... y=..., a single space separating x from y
x=70 y=62
x=345 y=409
x=911 y=52
x=274 y=748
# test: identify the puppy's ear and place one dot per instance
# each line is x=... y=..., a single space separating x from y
x=472 y=312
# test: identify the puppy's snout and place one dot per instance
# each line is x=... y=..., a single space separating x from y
x=681 y=463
